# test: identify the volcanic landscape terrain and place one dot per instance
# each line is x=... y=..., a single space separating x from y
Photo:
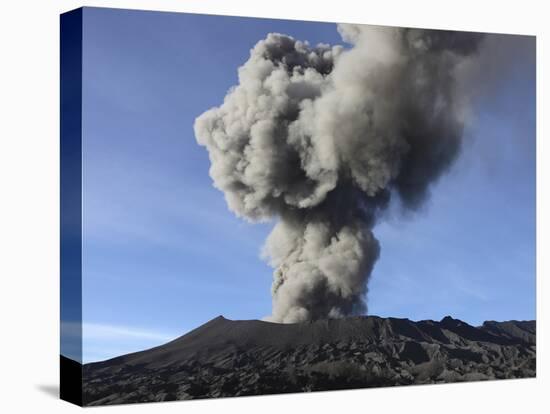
x=226 y=358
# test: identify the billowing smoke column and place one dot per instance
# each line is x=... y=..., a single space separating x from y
x=320 y=138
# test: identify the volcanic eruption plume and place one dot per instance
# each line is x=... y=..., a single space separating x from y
x=321 y=137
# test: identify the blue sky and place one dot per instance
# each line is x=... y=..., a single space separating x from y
x=161 y=252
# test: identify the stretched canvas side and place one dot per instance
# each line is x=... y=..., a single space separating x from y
x=71 y=206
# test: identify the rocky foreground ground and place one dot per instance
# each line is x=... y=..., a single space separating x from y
x=225 y=358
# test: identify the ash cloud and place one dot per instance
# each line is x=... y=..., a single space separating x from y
x=320 y=138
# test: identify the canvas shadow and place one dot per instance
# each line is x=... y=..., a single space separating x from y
x=51 y=390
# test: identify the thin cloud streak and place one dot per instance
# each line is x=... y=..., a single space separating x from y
x=100 y=331
x=103 y=331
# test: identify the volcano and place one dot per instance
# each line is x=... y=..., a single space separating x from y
x=227 y=358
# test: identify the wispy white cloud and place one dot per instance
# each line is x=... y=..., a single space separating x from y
x=102 y=341
x=99 y=331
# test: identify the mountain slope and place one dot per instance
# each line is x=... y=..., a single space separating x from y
x=228 y=358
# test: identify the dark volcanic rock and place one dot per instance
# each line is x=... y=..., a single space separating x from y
x=224 y=358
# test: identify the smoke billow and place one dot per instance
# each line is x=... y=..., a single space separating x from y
x=321 y=137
